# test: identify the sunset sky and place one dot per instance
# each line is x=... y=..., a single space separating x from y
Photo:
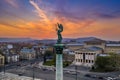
x=38 y=19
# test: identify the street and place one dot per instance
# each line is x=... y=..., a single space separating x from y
x=26 y=68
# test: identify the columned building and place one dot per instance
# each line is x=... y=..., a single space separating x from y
x=87 y=56
x=86 y=53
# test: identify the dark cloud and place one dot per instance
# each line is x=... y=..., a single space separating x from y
x=106 y=15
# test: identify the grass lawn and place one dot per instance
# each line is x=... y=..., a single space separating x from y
x=52 y=63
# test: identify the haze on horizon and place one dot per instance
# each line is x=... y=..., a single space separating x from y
x=81 y=18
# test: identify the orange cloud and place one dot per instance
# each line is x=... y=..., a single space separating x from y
x=45 y=27
x=40 y=30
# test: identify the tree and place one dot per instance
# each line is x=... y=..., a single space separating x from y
x=107 y=63
x=115 y=59
x=48 y=53
x=103 y=63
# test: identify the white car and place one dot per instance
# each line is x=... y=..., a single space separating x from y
x=110 y=78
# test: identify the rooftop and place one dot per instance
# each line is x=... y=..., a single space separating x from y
x=95 y=48
x=74 y=44
x=114 y=45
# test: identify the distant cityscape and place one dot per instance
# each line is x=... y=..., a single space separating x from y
x=29 y=54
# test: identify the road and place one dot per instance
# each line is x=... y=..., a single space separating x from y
x=45 y=74
x=26 y=69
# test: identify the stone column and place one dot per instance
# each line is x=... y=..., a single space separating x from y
x=59 y=61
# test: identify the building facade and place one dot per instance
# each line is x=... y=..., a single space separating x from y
x=96 y=43
x=87 y=56
x=40 y=50
x=69 y=55
x=10 y=58
x=74 y=46
x=112 y=48
x=2 y=60
x=27 y=54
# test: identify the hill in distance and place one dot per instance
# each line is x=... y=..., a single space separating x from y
x=53 y=41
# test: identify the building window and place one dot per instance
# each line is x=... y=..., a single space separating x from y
x=1 y=61
x=92 y=61
x=86 y=61
x=83 y=56
x=76 y=60
x=89 y=61
x=81 y=60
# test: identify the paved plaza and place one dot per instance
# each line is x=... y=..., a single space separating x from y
x=40 y=72
x=10 y=76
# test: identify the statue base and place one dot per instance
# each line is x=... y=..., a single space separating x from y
x=59 y=48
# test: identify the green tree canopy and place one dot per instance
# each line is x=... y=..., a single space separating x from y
x=107 y=63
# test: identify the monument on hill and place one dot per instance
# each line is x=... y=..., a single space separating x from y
x=59 y=53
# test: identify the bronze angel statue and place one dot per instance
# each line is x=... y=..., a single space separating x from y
x=59 y=30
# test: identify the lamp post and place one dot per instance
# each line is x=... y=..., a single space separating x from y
x=4 y=68
x=33 y=72
x=76 y=71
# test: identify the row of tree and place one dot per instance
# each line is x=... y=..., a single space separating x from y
x=107 y=63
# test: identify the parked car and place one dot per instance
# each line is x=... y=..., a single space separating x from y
x=20 y=74
x=94 y=76
x=100 y=78
x=44 y=69
x=87 y=75
x=70 y=72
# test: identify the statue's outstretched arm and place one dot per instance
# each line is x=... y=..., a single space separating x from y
x=60 y=27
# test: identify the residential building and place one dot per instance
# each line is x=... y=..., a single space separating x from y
x=27 y=53
x=2 y=60
x=37 y=51
x=40 y=50
x=10 y=58
x=43 y=49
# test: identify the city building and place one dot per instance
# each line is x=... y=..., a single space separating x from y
x=10 y=58
x=112 y=48
x=40 y=50
x=74 y=46
x=97 y=43
x=2 y=60
x=86 y=53
x=87 y=56
x=27 y=54
x=37 y=51
x=43 y=49
x=68 y=55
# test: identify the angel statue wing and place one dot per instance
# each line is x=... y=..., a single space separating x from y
x=59 y=33
x=60 y=26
